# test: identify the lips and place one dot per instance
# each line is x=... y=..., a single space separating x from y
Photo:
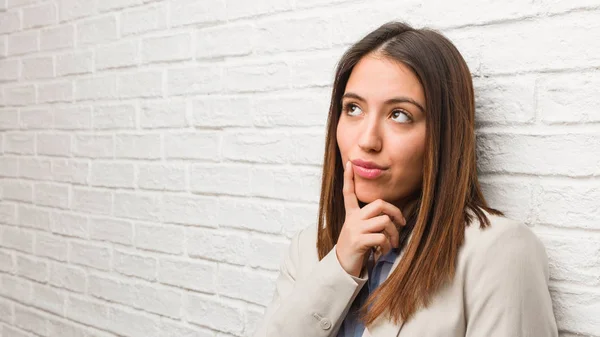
x=366 y=169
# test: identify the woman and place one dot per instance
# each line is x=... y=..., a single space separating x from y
x=406 y=244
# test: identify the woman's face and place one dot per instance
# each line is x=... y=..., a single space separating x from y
x=377 y=128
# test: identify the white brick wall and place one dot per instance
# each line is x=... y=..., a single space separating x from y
x=158 y=155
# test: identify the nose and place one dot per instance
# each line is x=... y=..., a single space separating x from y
x=370 y=136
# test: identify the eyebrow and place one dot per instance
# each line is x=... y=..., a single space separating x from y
x=400 y=99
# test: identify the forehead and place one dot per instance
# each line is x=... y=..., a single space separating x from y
x=378 y=78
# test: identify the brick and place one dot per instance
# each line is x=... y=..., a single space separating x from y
x=193 y=145
x=216 y=111
x=6 y=312
x=217 y=246
x=92 y=201
x=74 y=9
x=185 y=12
x=68 y=277
x=141 y=84
x=100 y=87
x=556 y=94
x=23 y=43
x=568 y=204
x=59 y=37
x=20 y=95
x=313 y=71
x=69 y=224
x=138 y=146
x=8 y=213
x=114 y=116
x=169 y=177
x=129 y=323
x=116 y=231
x=7 y=265
x=70 y=171
x=34 y=168
x=52 y=195
x=93 y=146
x=138 y=205
x=169 y=113
x=33 y=217
x=17 y=239
x=261 y=216
x=35 y=118
x=309 y=33
x=535 y=49
x=9 y=22
x=19 y=143
x=189 y=210
x=539 y=153
x=240 y=37
x=576 y=310
x=30 y=320
x=9 y=70
x=135 y=265
x=190 y=275
x=194 y=80
x=54 y=144
x=573 y=259
x=250 y=286
x=220 y=179
x=168 y=48
x=32 y=268
x=491 y=105
x=163 y=238
x=117 y=55
x=256 y=77
x=55 y=92
x=51 y=246
x=88 y=312
x=265 y=253
x=16 y=288
x=109 y=5
x=300 y=184
x=73 y=117
x=39 y=15
x=239 y=9
x=74 y=63
x=111 y=174
x=89 y=255
x=144 y=19
x=97 y=30
x=65 y=329
x=215 y=314
x=262 y=147
x=9 y=119
x=48 y=299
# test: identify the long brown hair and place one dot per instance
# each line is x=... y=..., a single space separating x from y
x=438 y=213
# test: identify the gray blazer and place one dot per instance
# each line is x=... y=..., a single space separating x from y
x=500 y=289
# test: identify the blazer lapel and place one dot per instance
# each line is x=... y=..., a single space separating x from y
x=382 y=326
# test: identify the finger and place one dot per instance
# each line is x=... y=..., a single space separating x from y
x=376 y=239
x=379 y=206
x=382 y=223
x=350 y=201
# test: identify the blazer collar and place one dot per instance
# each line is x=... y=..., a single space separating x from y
x=382 y=326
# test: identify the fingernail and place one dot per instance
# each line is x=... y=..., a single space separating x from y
x=347 y=164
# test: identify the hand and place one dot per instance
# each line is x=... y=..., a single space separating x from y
x=364 y=228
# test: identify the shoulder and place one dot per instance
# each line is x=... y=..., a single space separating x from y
x=302 y=250
x=505 y=246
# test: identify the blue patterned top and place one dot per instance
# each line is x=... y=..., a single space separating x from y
x=351 y=327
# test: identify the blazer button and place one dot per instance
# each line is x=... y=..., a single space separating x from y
x=325 y=324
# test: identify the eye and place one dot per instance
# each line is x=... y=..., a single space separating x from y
x=349 y=106
x=406 y=115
